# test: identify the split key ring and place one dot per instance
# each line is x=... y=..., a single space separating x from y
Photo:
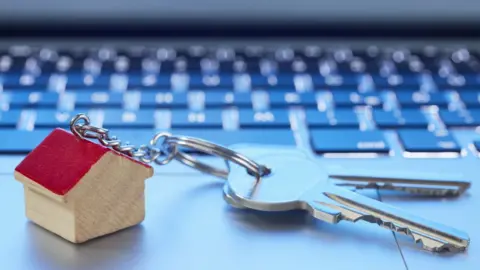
x=213 y=149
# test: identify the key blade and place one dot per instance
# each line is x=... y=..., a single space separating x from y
x=353 y=207
x=421 y=183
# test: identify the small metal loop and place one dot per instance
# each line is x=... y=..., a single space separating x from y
x=170 y=153
x=124 y=148
x=158 y=136
x=152 y=155
x=170 y=156
x=74 y=124
x=206 y=147
x=92 y=132
x=113 y=143
x=140 y=152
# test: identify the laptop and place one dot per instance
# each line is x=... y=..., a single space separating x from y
x=360 y=85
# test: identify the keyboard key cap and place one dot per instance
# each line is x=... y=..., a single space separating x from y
x=423 y=141
x=216 y=81
x=30 y=99
x=470 y=99
x=280 y=99
x=396 y=82
x=469 y=118
x=163 y=100
x=264 y=119
x=223 y=99
x=411 y=118
x=9 y=118
x=273 y=81
x=116 y=118
x=98 y=99
x=51 y=118
x=335 y=118
x=456 y=81
x=87 y=81
x=348 y=141
x=353 y=98
x=147 y=82
x=417 y=99
x=20 y=141
x=335 y=82
x=23 y=82
x=189 y=119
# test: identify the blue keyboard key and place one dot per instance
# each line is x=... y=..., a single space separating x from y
x=348 y=141
x=9 y=118
x=189 y=119
x=270 y=119
x=335 y=82
x=353 y=98
x=84 y=81
x=147 y=82
x=51 y=118
x=285 y=99
x=114 y=118
x=470 y=118
x=417 y=99
x=98 y=99
x=471 y=99
x=274 y=81
x=412 y=118
x=459 y=82
x=23 y=82
x=423 y=141
x=31 y=99
x=335 y=118
x=285 y=80
x=217 y=81
x=396 y=81
x=222 y=137
x=20 y=141
x=163 y=100
x=222 y=99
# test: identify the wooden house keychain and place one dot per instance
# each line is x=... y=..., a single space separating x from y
x=80 y=190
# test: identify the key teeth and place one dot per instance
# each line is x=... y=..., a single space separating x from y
x=439 y=247
x=439 y=193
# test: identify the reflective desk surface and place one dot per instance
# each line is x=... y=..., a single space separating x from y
x=189 y=226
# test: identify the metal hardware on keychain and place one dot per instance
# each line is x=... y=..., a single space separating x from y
x=168 y=148
x=283 y=190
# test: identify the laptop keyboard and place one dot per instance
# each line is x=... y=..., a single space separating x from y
x=346 y=98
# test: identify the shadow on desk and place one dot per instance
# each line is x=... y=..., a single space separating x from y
x=56 y=253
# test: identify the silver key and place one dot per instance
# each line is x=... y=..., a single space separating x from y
x=412 y=182
x=415 y=182
x=284 y=190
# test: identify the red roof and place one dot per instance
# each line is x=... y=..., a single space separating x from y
x=61 y=160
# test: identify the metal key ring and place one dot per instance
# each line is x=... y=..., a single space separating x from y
x=206 y=147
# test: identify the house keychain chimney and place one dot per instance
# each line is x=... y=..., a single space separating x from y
x=81 y=190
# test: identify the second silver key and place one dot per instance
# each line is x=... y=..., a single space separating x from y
x=284 y=190
x=419 y=182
